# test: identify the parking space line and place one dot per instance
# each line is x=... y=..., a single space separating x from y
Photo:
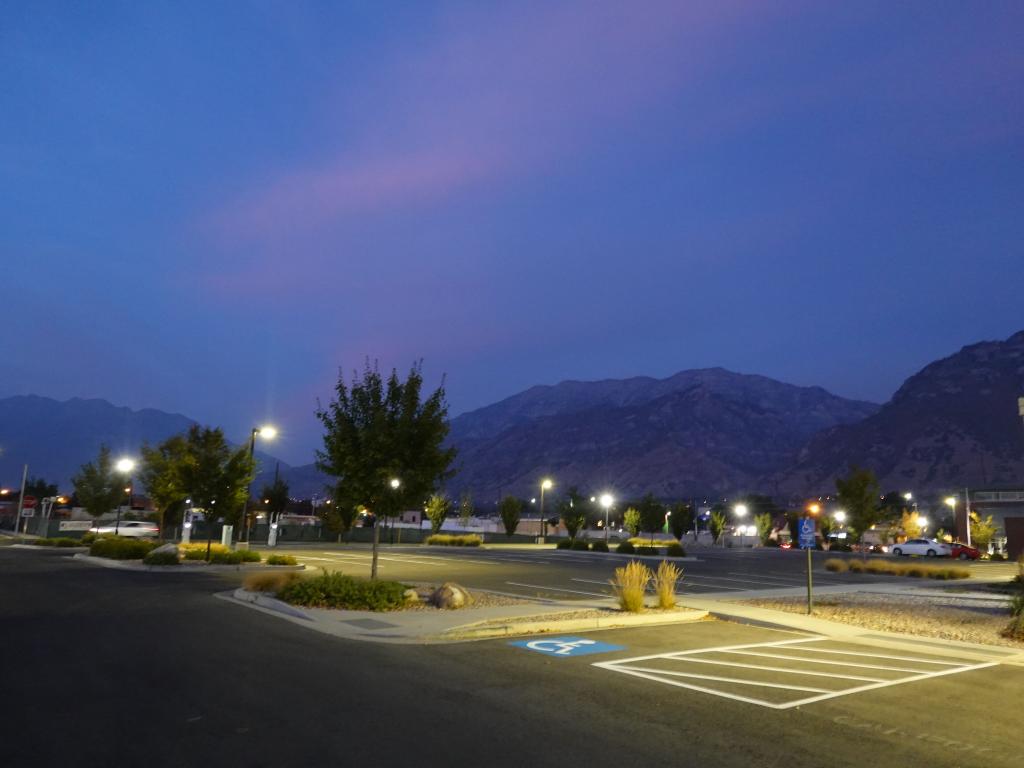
x=731 y=680
x=822 y=661
x=557 y=589
x=692 y=660
x=885 y=656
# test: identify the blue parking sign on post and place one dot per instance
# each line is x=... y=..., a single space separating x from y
x=807 y=533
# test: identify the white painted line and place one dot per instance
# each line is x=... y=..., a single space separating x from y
x=711 y=650
x=694 y=660
x=732 y=680
x=556 y=589
x=784 y=579
x=702 y=689
x=821 y=661
x=363 y=559
x=889 y=656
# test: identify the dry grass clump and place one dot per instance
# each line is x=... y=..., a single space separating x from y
x=836 y=566
x=457 y=540
x=630 y=585
x=272 y=581
x=913 y=570
x=665 y=584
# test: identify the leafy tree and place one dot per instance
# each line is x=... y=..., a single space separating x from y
x=826 y=525
x=338 y=517
x=681 y=519
x=983 y=530
x=375 y=430
x=793 y=523
x=573 y=511
x=275 y=496
x=438 y=507
x=161 y=474
x=910 y=524
x=216 y=475
x=631 y=521
x=764 y=527
x=39 y=488
x=858 y=495
x=510 y=510
x=98 y=488
x=465 y=508
x=652 y=515
x=717 y=524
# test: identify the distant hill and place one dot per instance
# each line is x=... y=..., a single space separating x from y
x=56 y=437
x=954 y=423
x=699 y=431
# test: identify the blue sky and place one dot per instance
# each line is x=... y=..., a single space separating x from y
x=211 y=207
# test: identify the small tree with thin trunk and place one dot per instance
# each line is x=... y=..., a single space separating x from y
x=763 y=522
x=681 y=519
x=717 y=524
x=465 y=509
x=631 y=521
x=652 y=515
x=859 y=495
x=572 y=509
x=511 y=510
x=97 y=486
x=438 y=507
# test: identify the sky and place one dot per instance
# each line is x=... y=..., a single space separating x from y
x=213 y=207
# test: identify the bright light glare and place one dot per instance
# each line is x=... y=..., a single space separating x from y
x=840 y=516
x=951 y=501
x=814 y=509
x=740 y=510
x=908 y=495
x=606 y=500
x=546 y=484
x=923 y=522
x=125 y=465
x=395 y=482
x=267 y=433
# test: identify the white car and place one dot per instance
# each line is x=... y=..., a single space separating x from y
x=927 y=547
x=132 y=528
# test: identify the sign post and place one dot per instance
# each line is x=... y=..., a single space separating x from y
x=807 y=542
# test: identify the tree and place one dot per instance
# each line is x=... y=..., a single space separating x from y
x=40 y=489
x=376 y=430
x=858 y=495
x=717 y=524
x=510 y=509
x=275 y=496
x=161 y=475
x=652 y=515
x=337 y=516
x=681 y=519
x=826 y=525
x=465 y=508
x=631 y=521
x=573 y=511
x=910 y=524
x=438 y=507
x=764 y=527
x=98 y=488
x=216 y=475
x=983 y=530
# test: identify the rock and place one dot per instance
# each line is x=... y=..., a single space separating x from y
x=411 y=596
x=169 y=547
x=450 y=595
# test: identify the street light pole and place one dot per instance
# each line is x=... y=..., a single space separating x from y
x=606 y=502
x=544 y=485
x=125 y=466
x=268 y=433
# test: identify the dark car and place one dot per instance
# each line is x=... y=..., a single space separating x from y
x=964 y=551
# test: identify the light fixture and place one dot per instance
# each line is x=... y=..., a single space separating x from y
x=125 y=465
x=740 y=510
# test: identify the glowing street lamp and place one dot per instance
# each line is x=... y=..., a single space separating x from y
x=606 y=502
x=840 y=516
x=267 y=432
x=545 y=485
x=740 y=510
x=125 y=466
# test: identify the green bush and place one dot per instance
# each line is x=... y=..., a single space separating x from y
x=336 y=590
x=448 y=540
x=118 y=548
x=197 y=550
x=580 y=546
x=599 y=546
x=625 y=548
x=647 y=550
x=161 y=558
x=235 y=557
x=88 y=538
x=563 y=544
x=282 y=560
x=61 y=541
x=675 y=549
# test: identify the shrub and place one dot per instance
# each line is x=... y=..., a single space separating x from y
x=625 y=548
x=235 y=557
x=599 y=546
x=282 y=560
x=630 y=585
x=197 y=551
x=675 y=549
x=563 y=544
x=118 y=548
x=646 y=550
x=60 y=541
x=913 y=570
x=1015 y=629
x=448 y=540
x=580 y=546
x=336 y=590
x=857 y=566
x=836 y=566
x=665 y=584
x=269 y=581
x=88 y=538
x=161 y=558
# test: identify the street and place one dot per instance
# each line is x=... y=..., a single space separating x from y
x=103 y=668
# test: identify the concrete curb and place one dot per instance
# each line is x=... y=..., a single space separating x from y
x=687 y=559
x=472 y=632
x=184 y=567
x=270 y=603
x=37 y=548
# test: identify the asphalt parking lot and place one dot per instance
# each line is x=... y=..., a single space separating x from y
x=104 y=667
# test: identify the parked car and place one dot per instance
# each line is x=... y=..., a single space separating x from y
x=964 y=551
x=927 y=547
x=134 y=528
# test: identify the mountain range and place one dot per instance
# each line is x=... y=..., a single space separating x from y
x=699 y=432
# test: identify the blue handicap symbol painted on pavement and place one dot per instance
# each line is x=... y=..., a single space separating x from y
x=567 y=646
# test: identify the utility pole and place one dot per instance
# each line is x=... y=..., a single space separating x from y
x=21 y=499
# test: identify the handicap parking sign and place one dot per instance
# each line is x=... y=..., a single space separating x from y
x=807 y=533
x=566 y=646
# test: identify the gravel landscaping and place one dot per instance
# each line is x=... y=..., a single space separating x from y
x=947 y=617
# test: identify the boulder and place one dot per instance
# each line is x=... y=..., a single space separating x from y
x=169 y=547
x=411 y=596
x=450 y=595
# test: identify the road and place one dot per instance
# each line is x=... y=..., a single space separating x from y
x=110 y=668
x=567 y=575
